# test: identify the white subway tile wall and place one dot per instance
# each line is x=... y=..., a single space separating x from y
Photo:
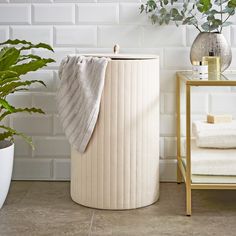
x=86 y=26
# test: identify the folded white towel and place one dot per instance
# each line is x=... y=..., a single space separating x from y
x=209 y=161
x=215 y=135
x=79 y=95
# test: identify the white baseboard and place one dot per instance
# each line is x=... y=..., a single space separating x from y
x=168 y=170
x=59 y=170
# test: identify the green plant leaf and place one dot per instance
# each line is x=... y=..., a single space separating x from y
x=15 y=42
x=20 y=89
x=31 y=66
x=188 y=20
x=12 y=65
x=206 y=26
x=10 y=87
x=8 y=57
x=6 y=135
x=142 y=8
x=154 y=18
x=20 y=110
x=227 y=24
x=7 y=74
x=39 y=45
x=232 y=4
x=28 y=45
x=204 y=5
x=6 y=105
x=27 y=57
x=11 y=132
x=165 y=2
x=8 y=80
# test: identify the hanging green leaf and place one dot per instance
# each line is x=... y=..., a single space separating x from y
x=10 y=87
x=11 y=133
x=27 y=45
x=31 y=66
x=20 y=110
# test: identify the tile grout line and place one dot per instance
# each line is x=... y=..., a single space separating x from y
x=91 y=224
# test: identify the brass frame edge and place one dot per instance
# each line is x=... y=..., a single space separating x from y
x=213 y=186
x=178 y=129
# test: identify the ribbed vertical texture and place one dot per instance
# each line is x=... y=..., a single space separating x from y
x=120 y=168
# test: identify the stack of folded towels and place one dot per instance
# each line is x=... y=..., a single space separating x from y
x=215 y=135
x=213 y=150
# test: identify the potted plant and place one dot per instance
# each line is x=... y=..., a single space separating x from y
x=208 y=17
x=14 y=63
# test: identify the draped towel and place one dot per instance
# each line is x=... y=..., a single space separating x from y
x=79 y=96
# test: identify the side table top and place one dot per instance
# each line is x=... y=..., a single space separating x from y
x=227 y=78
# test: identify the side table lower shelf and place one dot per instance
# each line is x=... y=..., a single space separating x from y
x=209 y=180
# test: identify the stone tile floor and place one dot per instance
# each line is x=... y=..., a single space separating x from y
x=45 y=208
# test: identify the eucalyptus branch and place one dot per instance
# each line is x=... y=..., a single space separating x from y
x=221 y=15
x=213 y=20
x=229 y=15
x=196 y=25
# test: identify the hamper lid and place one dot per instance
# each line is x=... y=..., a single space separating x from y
x=117 y=56
x=121 y=56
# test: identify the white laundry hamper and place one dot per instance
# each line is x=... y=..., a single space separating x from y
x=120 y=168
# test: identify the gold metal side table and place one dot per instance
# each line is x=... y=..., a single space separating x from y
x=185 y=80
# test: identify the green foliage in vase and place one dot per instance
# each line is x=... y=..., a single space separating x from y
x=15 y=61
x=204 y=15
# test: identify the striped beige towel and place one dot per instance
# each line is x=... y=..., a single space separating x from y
x=79 y=95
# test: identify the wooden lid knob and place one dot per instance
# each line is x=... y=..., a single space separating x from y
x=116 y=49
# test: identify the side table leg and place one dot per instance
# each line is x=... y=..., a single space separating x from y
x=178 y=128
x=188 y=150
x=179 y=175
x=188 y=201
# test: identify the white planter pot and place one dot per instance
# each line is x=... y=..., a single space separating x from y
x=6 y=165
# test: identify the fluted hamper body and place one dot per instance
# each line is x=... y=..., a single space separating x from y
x=120 y=168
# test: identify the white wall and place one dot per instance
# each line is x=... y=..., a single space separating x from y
x=95 y=26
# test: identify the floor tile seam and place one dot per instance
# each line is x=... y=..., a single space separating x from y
x=91 y=224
